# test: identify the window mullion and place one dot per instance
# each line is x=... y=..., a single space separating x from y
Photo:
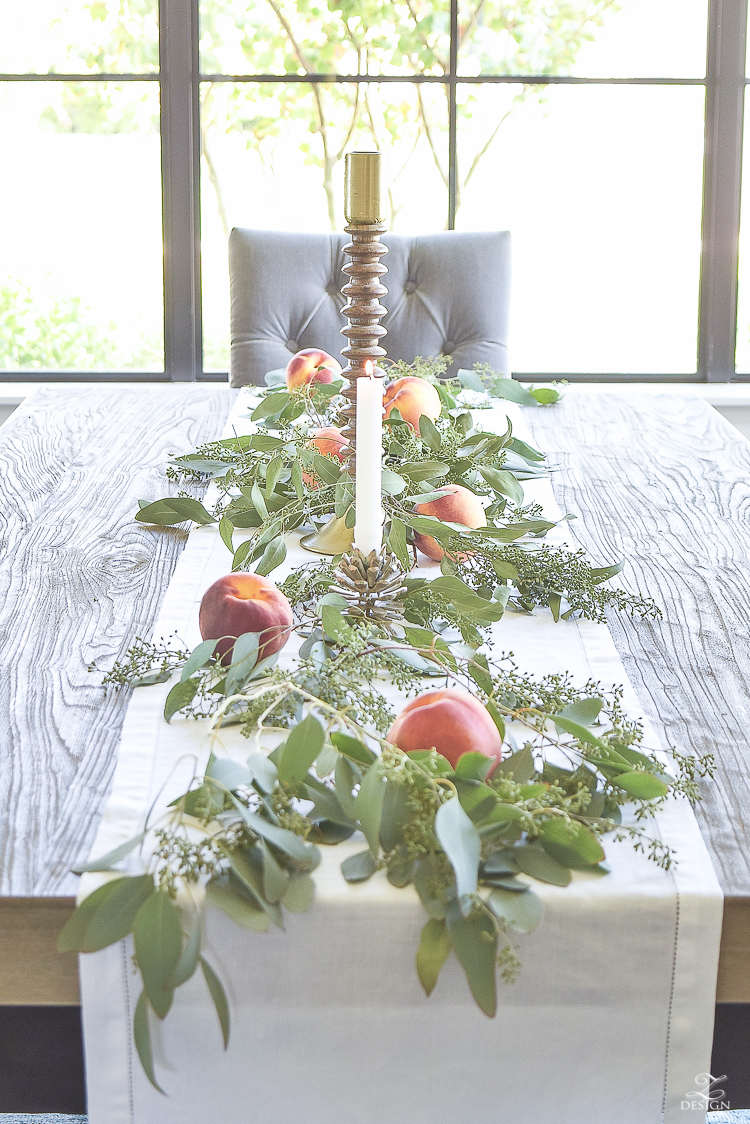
x=725 y=96
x=180 y=148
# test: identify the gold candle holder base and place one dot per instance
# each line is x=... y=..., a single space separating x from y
x=334 y=537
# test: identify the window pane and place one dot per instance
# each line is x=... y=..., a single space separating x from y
x=264 y=166
x=80 y=37
x=633 y=39
x=601 y=190
x=81 y=261
x=373 y=37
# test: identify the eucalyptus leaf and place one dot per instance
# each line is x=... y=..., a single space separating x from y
x=434 y=946
x=513 y=392
x=426 y=877
x=229 y=773
x=250 y=878
x=334 y=623
x=503 y=481
x=258 y=501
x=578 y=731
x=395 y=815
x=397 y=541
x=583 y=711
x=345 y=779
x=118 y=901
x=117 y=913
x=271 y=405
x=325 y=469
x=292 y=845
x=275 y=465
x=181 y=695
x=424 y=470
x=391 y=483
x=459 y=839
x=188 y=961
x=471 y=380
x=299 y=894
x=142 y=1038
x=522 y=911
x=643 y=786
x=276 y=377
x=107 y=861
x=369 y=805
x=219 y=997
x=226 y=530
x=545 y=395
x=353 y=748
x=429 y=433
x=571 y=843
x=603 y=573
x=265 y=773
x=240 y=555
x=474 y=941
x=326 y=760
x=297 y=481
x=520 y=765
x=273 y=556
x=244 y=912
x=500 y=863
x=300 y=750
x=537 y=863
x=359 y=867
x=473 y=766
x=175 y=509
x=275 y=878
x=198 y=658
x=158 y=946
x=244 y=659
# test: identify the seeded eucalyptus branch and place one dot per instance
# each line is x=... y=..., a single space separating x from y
x=245 y=837
x=239 y=839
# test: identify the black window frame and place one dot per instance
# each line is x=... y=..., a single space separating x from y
x=179 y=78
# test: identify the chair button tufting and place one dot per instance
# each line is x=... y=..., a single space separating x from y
x=332 y=289
x=292 y=345
x=449 y=347
x=410 y=287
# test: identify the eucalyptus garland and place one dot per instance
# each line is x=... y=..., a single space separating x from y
x=468 y=837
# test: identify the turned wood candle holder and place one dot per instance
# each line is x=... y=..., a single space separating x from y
x=363 y=311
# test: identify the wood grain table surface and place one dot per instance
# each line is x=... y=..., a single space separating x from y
x=660 y=480
x=79 y=580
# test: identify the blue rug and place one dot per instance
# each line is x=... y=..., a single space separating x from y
x=40 y=1118
x=741 y=1116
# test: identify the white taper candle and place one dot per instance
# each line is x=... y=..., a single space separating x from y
x=368 y=497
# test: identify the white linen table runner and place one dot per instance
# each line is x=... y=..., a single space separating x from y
x=610 y=1022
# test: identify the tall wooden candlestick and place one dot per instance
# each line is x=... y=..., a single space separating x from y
x=364 y=208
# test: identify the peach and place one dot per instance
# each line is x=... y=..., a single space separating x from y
x=456 y=505
x=311 y=365
x=412 y=397
x=330 y=442
x=241 y=603
x=449 y=720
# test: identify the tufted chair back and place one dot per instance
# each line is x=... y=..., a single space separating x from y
x=448 y=293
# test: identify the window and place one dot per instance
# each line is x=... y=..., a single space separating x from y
x=592 y=129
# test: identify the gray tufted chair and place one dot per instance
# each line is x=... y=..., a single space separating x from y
x=447 y=293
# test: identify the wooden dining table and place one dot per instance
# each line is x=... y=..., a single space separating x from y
x=660 y=480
